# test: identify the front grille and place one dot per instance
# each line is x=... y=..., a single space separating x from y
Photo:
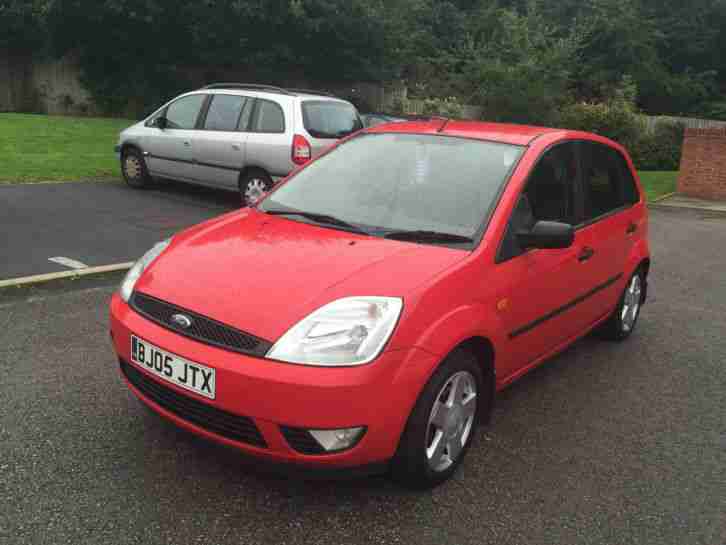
x=202 y=329
x=231 y=426
x=301 y=440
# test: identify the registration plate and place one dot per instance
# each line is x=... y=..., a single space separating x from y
x=171 y=368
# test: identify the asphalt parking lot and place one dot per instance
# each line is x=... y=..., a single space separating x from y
x=607 y=443
x=95 y=224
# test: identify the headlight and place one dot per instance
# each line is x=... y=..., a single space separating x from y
x=127 y=286
x=346 y=332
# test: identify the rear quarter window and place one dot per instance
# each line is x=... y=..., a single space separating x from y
x=330 y=119
x=608 y=182
x=268 y=117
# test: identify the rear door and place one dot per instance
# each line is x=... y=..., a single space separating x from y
x=326 y=121
x=171 y=152
x=220 y=144
x=269 y=139
x=609 y=227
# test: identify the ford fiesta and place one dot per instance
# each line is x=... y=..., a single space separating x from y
x=363 y=315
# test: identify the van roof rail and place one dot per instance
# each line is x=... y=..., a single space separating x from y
x=312 y=92
x=249 y=86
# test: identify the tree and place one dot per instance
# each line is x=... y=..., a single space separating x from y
x=515 y=65
x=21 y=25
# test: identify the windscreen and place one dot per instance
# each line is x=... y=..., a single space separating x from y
x=403 y=182
x=330 y=119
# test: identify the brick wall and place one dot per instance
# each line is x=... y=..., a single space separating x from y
x=703 y=164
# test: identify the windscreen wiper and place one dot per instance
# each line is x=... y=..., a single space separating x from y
x=319 y=218
x=428 y=236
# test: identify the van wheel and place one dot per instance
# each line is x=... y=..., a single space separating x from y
x=133 y=168
x=622 y=322
x=253 y=185
x=441 y=427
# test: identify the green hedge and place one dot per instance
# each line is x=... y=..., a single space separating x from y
x=660 y=149
x=657 y=149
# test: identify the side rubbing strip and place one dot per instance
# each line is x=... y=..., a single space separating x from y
x=539 y=321
x=188 y=162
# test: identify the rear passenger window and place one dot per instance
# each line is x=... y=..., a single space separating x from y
x=607 y=187
x=630 y=190
x=244 y=119
x=224 y=113
x=269 y=117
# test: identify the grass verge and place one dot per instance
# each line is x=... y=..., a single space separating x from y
x=37 y=148
x=658 y=183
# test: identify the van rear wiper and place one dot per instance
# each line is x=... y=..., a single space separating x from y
x=428 y=236
x=319 y=218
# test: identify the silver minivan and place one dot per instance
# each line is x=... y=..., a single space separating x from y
x=241 y=137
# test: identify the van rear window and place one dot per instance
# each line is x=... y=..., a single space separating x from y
x=329 y=119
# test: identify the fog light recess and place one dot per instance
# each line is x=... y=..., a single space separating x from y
x=322 y=441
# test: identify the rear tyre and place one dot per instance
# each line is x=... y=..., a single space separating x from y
x=442 y=425
x=253 y=185
x=623 y=320
x=133 y=168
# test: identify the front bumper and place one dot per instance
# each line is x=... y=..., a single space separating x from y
x=273 y=395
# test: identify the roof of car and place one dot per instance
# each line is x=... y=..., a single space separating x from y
x=520 y=135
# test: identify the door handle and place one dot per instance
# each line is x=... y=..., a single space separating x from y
x=187 y=144
x=632 y=227
x=585 y=254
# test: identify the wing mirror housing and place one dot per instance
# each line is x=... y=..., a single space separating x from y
x=547 y=235
x=161 y=123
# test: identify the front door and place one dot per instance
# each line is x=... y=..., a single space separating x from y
x=171 y=153
x=541 y=310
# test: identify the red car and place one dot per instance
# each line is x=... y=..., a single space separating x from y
x=363 y=315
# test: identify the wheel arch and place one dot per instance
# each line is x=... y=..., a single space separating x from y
x=130 y=145
x=482 y=349
x=639 y=258
x=252 y=168
x=645 y=265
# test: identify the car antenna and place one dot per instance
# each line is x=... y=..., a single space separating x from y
x=443 y=125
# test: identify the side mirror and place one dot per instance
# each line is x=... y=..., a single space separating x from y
x=160 y=123
x=547 y=235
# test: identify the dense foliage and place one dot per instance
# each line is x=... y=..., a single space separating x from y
x=520 y=60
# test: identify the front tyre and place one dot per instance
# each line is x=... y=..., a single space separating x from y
x=133 y=168
x=442 y=425
x=623 y=320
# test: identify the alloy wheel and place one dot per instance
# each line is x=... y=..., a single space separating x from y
x=254 y=191
x=132 y=167
x=451 y=421
x=631 y=303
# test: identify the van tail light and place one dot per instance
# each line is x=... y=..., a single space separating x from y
x=302 y=152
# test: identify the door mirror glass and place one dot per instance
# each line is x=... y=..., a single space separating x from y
x=160 y=123
x=547 y=235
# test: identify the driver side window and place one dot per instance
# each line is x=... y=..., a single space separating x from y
x=548 y=196
x=183 y=113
